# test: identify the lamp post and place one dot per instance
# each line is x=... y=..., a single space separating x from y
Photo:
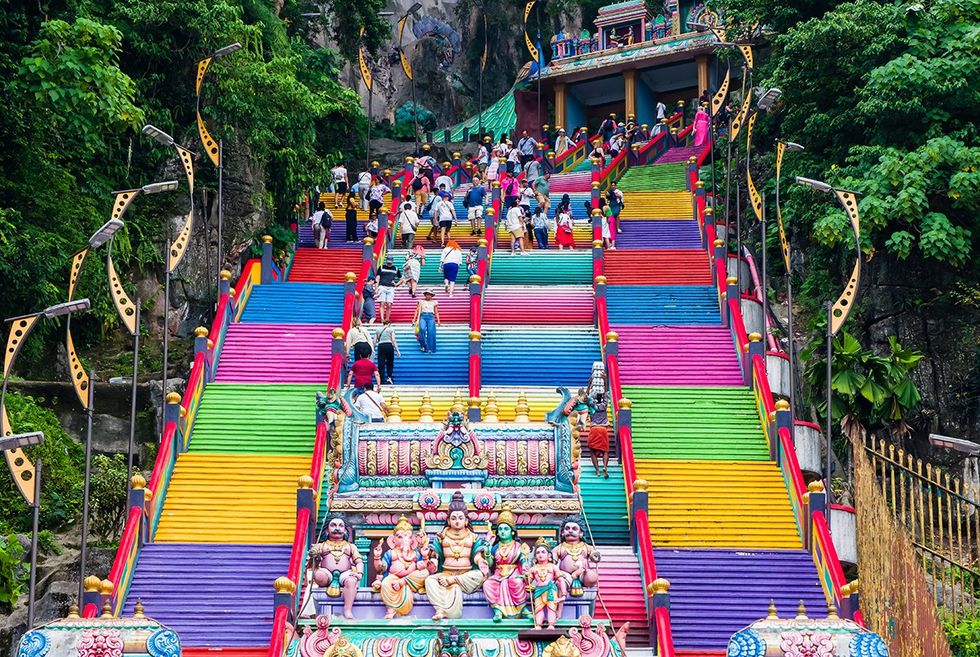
x=767 y=101
x=782 y=147
x=176 y=248
x=215 y=150
x=19 y=441
x=127 y=308
x=413 y=11
x=26 y=476
x=838 y=311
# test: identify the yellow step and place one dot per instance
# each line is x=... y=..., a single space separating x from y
x=657 y=205
x=719 y=504
x=231 y=498
x=540 y=400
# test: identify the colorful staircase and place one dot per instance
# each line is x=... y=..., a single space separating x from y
x=227 y=522
x=720 y=517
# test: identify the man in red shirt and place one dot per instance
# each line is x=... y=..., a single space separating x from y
x=362 y=372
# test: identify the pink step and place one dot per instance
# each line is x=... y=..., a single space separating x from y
x=677 y=355
x=275 y=353
x=621 y=593
x=580 y=181
x=506 y=304
x=455 y=310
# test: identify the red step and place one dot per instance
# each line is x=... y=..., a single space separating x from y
x=621 y=593
x=657 y=267
x=324 y=265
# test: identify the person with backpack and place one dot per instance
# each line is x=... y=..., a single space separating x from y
x=408 y=222
x=420 y=187
x=599 y=433
x=321 y=221
x=388 y=277
x=509 y=189
x=474 y=201
x=616 y=205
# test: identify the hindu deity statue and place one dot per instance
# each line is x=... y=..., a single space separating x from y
x=402 y=568
x=508 y=559
x=461 y=566
x=456 y=446
x=337 y=563
x=544 y=579
x=577 y=559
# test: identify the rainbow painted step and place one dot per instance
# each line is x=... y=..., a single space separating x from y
x=211 y=594
x=715 y=593
x=449 y=366
x=657 y=267
x=293 y=353
x=604 y=501
x=655 y=178
x=657 y=205
x=539 y=356
x=680 y=154
x=323 y=265
x=239 y=418
x=723 y=504
x=295 y=303
x=517 y=305
x=658 y=234
x=663 y=305
x=550 y=267
x=689 y=423
x=677 y=356
x=232 y=498
x=621 y=593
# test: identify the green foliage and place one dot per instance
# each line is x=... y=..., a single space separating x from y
x=63 y=459
x=12 y=572
x=963 y=636
x=870 y=391
x=109 y=496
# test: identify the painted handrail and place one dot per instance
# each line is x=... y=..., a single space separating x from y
x=825 y=554
x=665 y=637
x=121 y=573
x=277 y=645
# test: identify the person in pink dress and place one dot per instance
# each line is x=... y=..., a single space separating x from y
x=702 y=127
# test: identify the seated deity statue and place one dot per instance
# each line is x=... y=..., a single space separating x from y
x=508 y=559
x=402 y=568
x=460 y=566
x=577 y=560
x=337 y=564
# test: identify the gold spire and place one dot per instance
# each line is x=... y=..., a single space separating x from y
x=492 y=410
x=832 y=611
x=458 y=406
x=394 y=409
x=801 y=612
x=138 y=611
x=773 y=615
x=522 y=409
x=425 y=408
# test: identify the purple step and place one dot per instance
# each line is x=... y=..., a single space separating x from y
x=659 y=234
x=715 y=593
x=212 y=595
x=679 y=154
x=677 y=356
x=275 y=353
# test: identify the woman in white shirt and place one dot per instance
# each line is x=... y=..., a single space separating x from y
x=359 y=341
x=449 y=262
x=515 y=226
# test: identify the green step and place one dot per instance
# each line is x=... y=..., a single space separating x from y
x=693 y=423
x=604 y=501
x=655 y=178
x=241 y=418
x=541 y=268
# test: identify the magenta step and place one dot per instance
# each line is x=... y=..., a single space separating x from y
x=275 y=353
x=680 y=154
x=211 y=594
x=677 y=355
x=621 y=596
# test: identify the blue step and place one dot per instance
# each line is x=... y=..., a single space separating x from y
x=449 y=366
x=539 y=356
x=662 y=305
x=296 y=303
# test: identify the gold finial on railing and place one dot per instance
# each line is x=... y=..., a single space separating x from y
x=491 y=413
x=304 y=481
x=284 y=585
x=640 y=486
x=522 y=409
x=658 y=586
x=394 y=409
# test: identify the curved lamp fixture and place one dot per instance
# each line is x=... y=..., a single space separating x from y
x=179 y=245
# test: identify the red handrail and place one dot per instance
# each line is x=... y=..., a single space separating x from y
x=822 y=530
x=665 y=637
x=277 y=644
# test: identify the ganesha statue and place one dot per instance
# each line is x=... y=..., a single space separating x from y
x=337 y=564
x=402 y=568
x=577 y=560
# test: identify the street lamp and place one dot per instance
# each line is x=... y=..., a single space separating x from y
x=177 y=248
x=215 y=150
x=127 y=308
x=768 y=98
x=838 y=311
x=25 y=475
x=782 y=147
x=413 y=11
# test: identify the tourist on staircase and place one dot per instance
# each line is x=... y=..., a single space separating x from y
x=562 y=143
x=515 y=226
x=412 y=269
x=599 y=433
x=427 y=318
x=372 y=404
x=358 y=340
x=702 y=127
x=321 y=220
x=540 y=227
x=542 y=191
x=387 y=347
x=420 y=187
x=608 y=237
x=340 y=183
x=351 y=219
x=449 y=263
x=376 y=197
x=513 y=160
x=607 y=128
x=474 y=202
x=369 y=307
x=445 y=214
x=408 y=223
x=614 y=197
x=564 y=226
x=526 y=146
x=388 y=277
x=509 y=189
x=483 y=155
x=362 y=373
